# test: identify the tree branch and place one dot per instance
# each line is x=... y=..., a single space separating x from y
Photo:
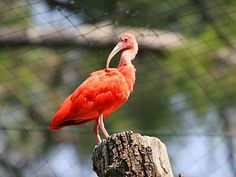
x=92 y=36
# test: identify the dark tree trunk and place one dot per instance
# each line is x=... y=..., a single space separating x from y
x=129 y=154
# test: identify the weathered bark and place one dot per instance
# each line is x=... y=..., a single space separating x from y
x=129 y=154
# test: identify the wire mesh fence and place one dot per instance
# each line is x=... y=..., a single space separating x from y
x=185 y=91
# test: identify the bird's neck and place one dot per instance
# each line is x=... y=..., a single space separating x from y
x=126 y=57
x=127 y=69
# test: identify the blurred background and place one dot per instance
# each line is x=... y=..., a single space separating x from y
x=185 y=92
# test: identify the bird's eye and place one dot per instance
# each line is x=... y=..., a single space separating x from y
x=125 y=40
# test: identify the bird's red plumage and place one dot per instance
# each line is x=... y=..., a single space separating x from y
x=103 y=92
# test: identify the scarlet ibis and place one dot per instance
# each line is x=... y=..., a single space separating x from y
x=102 y=93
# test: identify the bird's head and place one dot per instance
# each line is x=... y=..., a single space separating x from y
x=127 y=41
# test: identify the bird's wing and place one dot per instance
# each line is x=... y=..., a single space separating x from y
x=102 y=91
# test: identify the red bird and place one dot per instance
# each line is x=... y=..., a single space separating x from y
x=102 y=93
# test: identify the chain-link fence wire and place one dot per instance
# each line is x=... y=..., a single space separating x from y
x=185 y=91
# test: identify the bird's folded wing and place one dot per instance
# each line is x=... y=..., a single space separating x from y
x=100 y=92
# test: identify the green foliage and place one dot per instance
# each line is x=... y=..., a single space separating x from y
x=36 y=79
x=17 y=15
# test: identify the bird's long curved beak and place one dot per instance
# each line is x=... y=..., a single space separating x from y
x=116 y=49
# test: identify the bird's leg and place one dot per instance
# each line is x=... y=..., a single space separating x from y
x=102 y=127
x=100 y=124
x=96 y=131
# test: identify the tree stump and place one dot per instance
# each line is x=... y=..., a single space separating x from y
x=129 y=154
